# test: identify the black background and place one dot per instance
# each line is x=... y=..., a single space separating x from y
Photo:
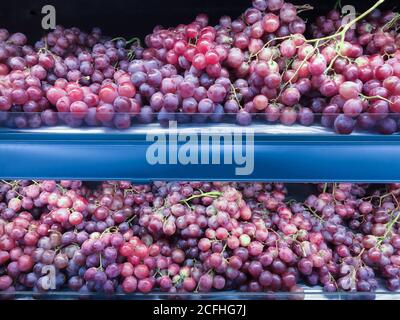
x=131 y=18
x=258 y=310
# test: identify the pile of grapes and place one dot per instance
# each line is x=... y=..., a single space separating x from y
x=185 y=237
x=341 y=73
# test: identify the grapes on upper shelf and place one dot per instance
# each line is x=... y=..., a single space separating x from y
x=261 y=65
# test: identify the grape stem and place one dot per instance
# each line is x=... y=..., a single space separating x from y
x=331 y=63
x=309 y=54
x=389 y=228
x=378 y=197
x=133 y=40
x=289 y=202
x=157 y=273
x=100 y=268
x=118 y=38
x=303 y=250
x=112 y=229
x=375 y=97
x=8 y=183
x=305 y=7
x=360 y=254
x=267 y=44
x=392 y=22
x=212 y=194
x=131 y=219
x=338 y=4
x=46 y=50
x=55 y=231
x=14 y=186
x=130 y=191
x=63 y=191
x=235 y=95
x=314 y=213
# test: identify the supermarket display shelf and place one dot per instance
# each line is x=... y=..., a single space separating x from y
x=269 y=153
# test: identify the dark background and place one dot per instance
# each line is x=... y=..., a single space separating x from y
x=131 y=18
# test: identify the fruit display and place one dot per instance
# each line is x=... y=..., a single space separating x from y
x=197 y=237
x=267 y=65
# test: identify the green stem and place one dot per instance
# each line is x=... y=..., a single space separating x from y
x=267 y=44
x=305 y=7
x=390 y=24
x=131 y=219
x=314 y=213
x=8 y=183
x=118 y=38
x=101 y=264
x=112 y=229
x=375 y=97
x=133 y=40
x=212 y=194
x=388 y=229
x=233 y=89
x=298 y=69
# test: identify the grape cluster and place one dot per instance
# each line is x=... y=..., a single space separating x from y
x=180 y=237
x=363 y=228
x=60 y=79
x=376 y=33
x=367 y=92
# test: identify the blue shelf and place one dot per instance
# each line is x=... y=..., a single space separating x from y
x=280 y=154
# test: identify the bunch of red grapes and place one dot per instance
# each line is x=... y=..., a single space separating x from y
x=261 y=66
x=189 y=237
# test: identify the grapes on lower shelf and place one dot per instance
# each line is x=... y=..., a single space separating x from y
x=197 y=237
